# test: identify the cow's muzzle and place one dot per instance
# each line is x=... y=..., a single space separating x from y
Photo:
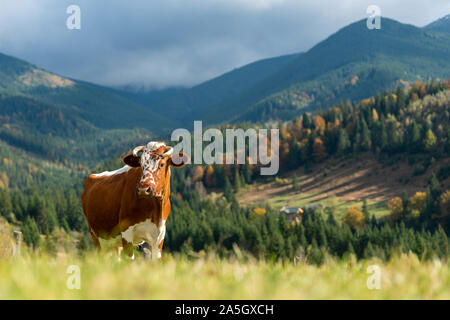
x=147 y=192
x=144 y=192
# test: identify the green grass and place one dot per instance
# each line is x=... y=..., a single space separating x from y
x=377 y=208
x=41 y=277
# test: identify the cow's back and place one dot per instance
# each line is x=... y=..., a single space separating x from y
x=101 y=200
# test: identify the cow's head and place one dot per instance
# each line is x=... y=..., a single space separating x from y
x=155 y=159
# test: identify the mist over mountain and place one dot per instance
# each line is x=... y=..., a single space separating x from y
x=354 y=63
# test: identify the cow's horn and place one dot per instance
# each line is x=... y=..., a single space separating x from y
x=137 y=150
x=167 y=153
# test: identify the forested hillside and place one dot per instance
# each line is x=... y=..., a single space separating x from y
x=440 y=25
x=411 y=122
x=363 y=63
x=99 y=106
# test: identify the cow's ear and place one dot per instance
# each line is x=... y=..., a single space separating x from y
x=179 y=160
x=131 y=160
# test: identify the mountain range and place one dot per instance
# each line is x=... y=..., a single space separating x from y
x=353 y=63
x=440 y=25
x=49 y=114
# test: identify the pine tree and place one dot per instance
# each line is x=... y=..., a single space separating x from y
x=390 y=104
x=343 y=141
x=432 y=203
x=84 y=244
x=227 y=190
x=248 y=173
x=380 y=138
x=30 y=232
x=331 y=220
x=19 y=205
x=413 y=139
x=365 y=136
x=242 y=179
x=427 y=212
x=393 y=136
x=350 y=249
x=38 y=212
x=295 y=184
x=74 y=216
x=322 y=237
x=6 y=207
x=234 y=205
x=237 y=180
x=406 y=205
x=447 y=144
x=306 y=121
x=442 y=243
x=401 y=100
x=365 y=211
x=435 y=187
x=50 y=245
x=369 y=252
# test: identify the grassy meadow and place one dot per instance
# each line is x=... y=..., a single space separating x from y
x=176 y=277
x=339 y=206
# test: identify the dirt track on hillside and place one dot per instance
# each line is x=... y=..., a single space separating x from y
x=351 y=180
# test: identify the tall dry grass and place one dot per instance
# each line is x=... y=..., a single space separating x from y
x=103 y=277
x=7 y=241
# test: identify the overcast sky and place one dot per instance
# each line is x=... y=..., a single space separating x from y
x=160 y=43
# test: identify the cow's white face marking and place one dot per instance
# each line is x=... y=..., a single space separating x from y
x=124 y=169
x=150 y=164
x=149 y=232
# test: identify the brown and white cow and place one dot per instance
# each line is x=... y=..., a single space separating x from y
x=130 y=206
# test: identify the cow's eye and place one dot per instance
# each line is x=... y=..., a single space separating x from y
x=161 y=165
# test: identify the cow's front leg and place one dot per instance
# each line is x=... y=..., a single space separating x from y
x=156 y=254
x=157 y=247
x=160 y=249
x=128 y=249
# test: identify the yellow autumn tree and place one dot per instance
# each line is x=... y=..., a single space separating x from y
x=284 y=134
x=284 y=152
x=259 y=211
x=354 y=218
x=422 y=91
x=445 y=203
x=4 y=180
x=298 y=125
x=395 y=206
x=374 y=115
x=210 y=177
x=197 y=173
x=430 y=140
x=319 y=151
x=418 y=202
x=319 y=124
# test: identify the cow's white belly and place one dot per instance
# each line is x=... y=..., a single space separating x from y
x=149 y=232
x=110 y=243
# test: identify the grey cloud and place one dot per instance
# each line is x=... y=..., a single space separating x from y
x=161 y=43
